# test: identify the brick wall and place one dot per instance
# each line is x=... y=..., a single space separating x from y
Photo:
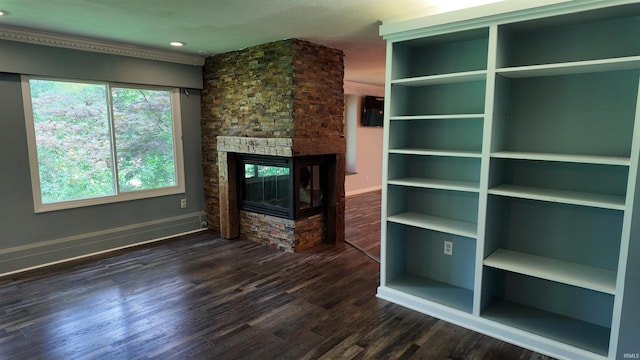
x=318 y=96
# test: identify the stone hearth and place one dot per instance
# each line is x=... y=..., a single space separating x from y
x=279 y=99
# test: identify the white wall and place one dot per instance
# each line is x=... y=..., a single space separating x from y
x=362 y=141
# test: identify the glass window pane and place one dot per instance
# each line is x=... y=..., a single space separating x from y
x=316 y=188
x=266 y=185
x=73 y=140
x=306 y=186
x=310 y=192
x=144 y=138
x=249 y=171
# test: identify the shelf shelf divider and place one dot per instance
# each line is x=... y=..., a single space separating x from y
x=442 y=293
x=571 y=68
x=613 y=202
x=442 y=184
x=583 y=276
x=436 y=152
x=437 y=117
x=583 y=159
x=449 y=226
x=467 y=76
x=591 y=337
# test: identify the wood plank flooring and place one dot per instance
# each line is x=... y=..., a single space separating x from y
x=203 y=297
x=362 y=218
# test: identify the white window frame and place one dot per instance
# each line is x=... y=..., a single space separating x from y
x=39 y=207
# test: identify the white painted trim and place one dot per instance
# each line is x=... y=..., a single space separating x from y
x=364 y=190
x=100 y=252
x=487 y=327
x=100 y=233
x=117 y=196
x=485 y=15
x=98 y=46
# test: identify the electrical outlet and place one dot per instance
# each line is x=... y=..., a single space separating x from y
x=448 y=248
x=183 y=203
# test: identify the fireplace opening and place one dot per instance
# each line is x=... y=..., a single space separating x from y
x=291 y=188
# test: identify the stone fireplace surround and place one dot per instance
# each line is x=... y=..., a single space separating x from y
x=285 y=234
x=286 y=99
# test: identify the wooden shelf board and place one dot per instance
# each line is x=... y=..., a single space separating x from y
x=561 y=196
x=570 y=68
x=436 y=291
x=437 y=117
x=584 y=159
x=467 y=76
x=577 y=333
x=583 y=276
x=449 y=226
x=456 y=185
x=434 y=152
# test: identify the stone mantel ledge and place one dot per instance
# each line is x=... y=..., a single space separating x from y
x=259 y=146
x=287 y=147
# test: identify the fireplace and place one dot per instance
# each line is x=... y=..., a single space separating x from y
x=276 y=195
x=273 y=144
x=291 y=188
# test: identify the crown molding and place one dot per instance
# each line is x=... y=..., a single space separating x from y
x=99 y=46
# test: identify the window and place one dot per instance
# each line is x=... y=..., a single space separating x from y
x=94 y=143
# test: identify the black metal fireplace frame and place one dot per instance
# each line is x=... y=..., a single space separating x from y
x=293 y=209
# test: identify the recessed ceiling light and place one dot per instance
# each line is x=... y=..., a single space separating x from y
x=2 y=12
x=176 y=43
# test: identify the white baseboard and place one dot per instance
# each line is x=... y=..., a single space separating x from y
x=46 y=253
x=362 y=191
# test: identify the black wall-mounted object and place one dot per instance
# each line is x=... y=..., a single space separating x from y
x=372 y=111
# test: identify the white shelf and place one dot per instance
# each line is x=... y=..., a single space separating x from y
x=561 y=196
x=571 y=68
x=442 y=293
x=449 y=226
x=583 y=159
x=437 y=117
x=434 y=152
x=467 y=76
x=436 y=184
x=580 y=334
x=587 y=277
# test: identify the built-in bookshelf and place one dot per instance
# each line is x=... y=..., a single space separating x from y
x=510 y=171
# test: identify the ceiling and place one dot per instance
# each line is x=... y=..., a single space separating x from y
x=210 y=27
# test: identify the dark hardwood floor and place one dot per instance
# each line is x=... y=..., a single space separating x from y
x=202 y=297
x=362 y=216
